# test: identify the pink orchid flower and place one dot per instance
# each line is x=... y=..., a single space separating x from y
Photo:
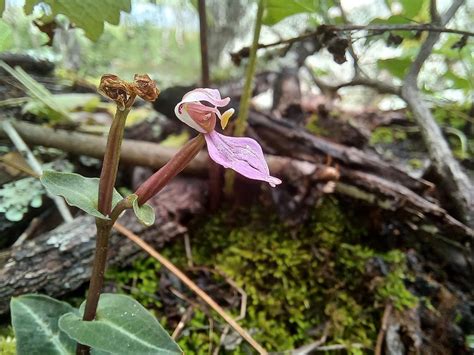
x=199 y=110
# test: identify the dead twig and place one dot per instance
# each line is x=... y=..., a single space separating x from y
x=182 y=323
x=378 y=29
x=243 y=302
x=35 y=222
x=383 y=329
x=180 y=275
x=306 y=349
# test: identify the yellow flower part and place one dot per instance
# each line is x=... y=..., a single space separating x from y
x=226 y=117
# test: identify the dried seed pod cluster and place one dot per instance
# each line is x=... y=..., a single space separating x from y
x=124 y=93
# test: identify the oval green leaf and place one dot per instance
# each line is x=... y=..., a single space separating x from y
x=35 y=322
x=145 y=213
x=77 y=190
x=122 y=326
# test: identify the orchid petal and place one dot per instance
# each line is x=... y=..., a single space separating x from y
x=212 y=96
x=203 y=115
x=242 y=154
x=183 y=115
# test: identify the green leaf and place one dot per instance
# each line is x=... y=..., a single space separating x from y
x=470 y=341
x=145 y=213
x=411 y=8
x=6 y=35
x=89 y=15
x=78 y=190
x=457 y=81
x=122 y=326
x=2 y=7
x=392 y=20
x=396 y=66
x=277 y=10
x=35 y=321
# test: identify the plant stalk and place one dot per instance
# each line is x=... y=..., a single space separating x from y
x=176 y=164
x=214 y=169
x=203 y=38
x=108 y=176
x=97 y=278
x=110 y=163
x=241 y=122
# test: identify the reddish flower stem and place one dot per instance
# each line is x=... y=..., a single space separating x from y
x=110 y=163
x=106 y=187
x=159 y=179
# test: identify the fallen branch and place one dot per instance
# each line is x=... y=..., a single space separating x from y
x=366 y=174
x=134 y=152
x=379 y=29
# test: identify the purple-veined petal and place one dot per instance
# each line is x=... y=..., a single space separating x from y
x=212 y=96
x=241 y=154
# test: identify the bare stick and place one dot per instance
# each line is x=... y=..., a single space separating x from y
x=446 y=166
x=383 y=329
x=188 y=282
x=425 y=27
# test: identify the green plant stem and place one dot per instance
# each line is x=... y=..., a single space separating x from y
x=110 y=163
x=241 y=122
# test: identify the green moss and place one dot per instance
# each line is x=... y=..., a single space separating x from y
x=415 y=164
x=299 y=279
x=314 y=127
x=141 y=281
x=392 y=287
x=387 y=135
x=7 y=341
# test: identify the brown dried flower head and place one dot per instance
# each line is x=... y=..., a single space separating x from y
x=113 y=87
x=145 y=87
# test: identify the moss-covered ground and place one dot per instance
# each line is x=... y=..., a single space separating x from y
x=301 y=281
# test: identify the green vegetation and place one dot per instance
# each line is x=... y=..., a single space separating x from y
x=7 y=341
x=299 y=280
